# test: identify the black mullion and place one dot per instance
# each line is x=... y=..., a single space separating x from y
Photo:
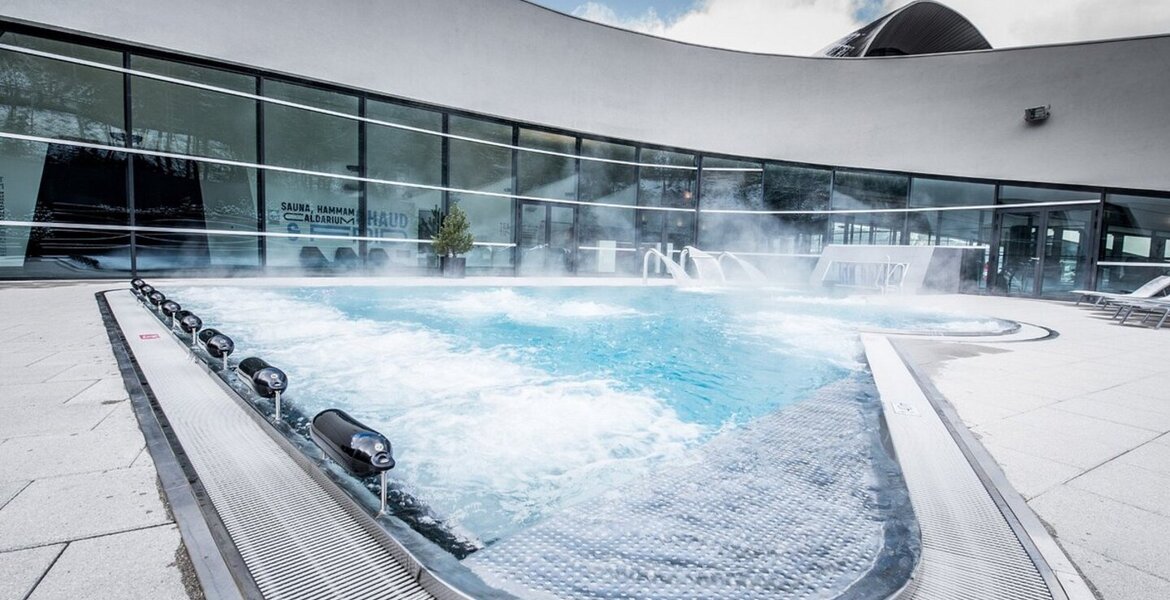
x=576 y=241
x=261 y=193
x=516 y=212
x=637 y=197
x=128 y=141
x=363 y=169
x=698 y=198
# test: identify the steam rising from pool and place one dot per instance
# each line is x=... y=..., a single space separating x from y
x=477 y=433
x=507 y=405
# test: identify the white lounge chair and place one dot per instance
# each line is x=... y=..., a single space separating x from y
x=1150 y=307
x=1154 y=287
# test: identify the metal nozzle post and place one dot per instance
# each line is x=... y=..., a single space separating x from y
x=225 y=365
x=194 y=339
x=383 y=509
x=278 y=406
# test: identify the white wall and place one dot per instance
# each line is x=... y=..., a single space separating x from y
x=958 y=114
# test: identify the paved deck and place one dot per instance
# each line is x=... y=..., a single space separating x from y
x=81 y=515
x=1078 y=423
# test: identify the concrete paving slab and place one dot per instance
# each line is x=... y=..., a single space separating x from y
x=1064 y=437
x=9 y=490
x=88 y=372
x=20 y=570
x=52 y=419
x=1120 y=397
x=1031 y=475
x=1153 y=457
x=36 y=457
x=14 y=359
x=1128 y=484
x=1119 y=531
x=14 y=394
x=1117 y=580
x=122 y=419
x=135 y=565
x=81 y=506
x=975 y=413
x=1103 y=408
x=102 y=392
x=1154 y=386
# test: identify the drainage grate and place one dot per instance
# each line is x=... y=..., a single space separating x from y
x=969 y=551
x=295 y=539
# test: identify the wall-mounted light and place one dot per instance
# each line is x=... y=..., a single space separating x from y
x=1037 y=114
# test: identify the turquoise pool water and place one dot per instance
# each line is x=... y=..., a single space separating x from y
x=506 y=405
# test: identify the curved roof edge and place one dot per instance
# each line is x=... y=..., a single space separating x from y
x=921 y=27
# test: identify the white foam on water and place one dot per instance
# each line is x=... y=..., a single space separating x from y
x=522 y=309
x=488 y=442
x=829 y=338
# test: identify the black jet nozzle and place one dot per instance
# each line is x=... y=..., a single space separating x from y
x=146 y=289
x=217 y=344
x=188 y=321
x=267 y=380
x=359 y=449
x=156 y=298
x=170 y=307
x=137 y=283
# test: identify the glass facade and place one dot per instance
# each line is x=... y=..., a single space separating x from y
x=116 y=160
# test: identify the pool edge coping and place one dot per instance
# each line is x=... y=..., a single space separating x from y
x=1064 y=580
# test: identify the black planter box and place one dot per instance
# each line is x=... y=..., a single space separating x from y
x=454 y=266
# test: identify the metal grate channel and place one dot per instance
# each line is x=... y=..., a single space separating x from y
x=969 y=550
x=295 y=539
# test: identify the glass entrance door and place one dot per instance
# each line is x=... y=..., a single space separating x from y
x=1042 y=252
x=546 y=239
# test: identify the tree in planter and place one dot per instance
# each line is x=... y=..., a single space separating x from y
x=454 y=238
x=454 y=235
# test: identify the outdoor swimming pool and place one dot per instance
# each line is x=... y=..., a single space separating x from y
x=607 y=441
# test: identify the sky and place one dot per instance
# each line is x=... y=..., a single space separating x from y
x=803 y=27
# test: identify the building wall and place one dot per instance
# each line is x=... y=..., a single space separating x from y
x=957 y=115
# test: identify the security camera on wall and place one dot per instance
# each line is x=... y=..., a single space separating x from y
x=1037 y=114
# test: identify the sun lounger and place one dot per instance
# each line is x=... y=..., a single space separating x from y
x=1150 y=308
x=1154 y=287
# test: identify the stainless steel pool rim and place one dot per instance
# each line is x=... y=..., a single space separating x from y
x=942 y=574
x=218 y=559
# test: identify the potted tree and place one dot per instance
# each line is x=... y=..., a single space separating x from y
x=454 y=237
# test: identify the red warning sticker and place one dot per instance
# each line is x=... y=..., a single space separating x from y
x=148 y=336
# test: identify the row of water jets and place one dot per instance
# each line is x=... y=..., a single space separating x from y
x=358 y=449
x=708 y=267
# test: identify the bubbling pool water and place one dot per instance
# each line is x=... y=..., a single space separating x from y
x=508 y=405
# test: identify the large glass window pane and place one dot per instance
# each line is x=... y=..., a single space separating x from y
x=185 y=120
x=664 y=185
x=483 y=167
x=58 y=99
x=308 y=140
x=798 y=188
x=52 y=184
x=668 y=231
x=218 y=201
x=396 y=211
x=608 y=182
x=312 y=215
x=1136 y=230
x=607 y=240
x=732 y=184
x=1015 y=194
x=867 y=191
x=547 y=175
x=949 y=228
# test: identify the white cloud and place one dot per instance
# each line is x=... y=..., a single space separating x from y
x=802 y=27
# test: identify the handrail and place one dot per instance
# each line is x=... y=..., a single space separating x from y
x=753 y=273
x=672 y=267
x=694 y=253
